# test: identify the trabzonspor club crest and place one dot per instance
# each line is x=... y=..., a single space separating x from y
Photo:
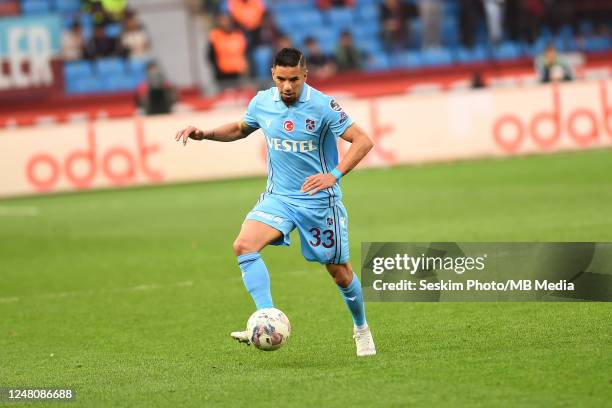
x=310 y=125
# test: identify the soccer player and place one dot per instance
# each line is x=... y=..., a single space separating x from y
x=301 y=126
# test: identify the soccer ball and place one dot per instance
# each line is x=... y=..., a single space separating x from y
x=268 y=329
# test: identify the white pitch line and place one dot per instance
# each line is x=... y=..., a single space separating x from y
x=19 y=211
x=62 y=295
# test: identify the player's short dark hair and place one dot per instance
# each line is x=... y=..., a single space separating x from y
x=290 y=57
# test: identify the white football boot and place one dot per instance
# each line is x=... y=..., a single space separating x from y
x=364 y=342
x=241 y=337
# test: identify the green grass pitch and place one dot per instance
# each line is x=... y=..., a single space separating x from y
x=129 y=296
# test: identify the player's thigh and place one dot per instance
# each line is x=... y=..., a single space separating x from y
x=269 y=222
x=254 y=235
x=324 y=234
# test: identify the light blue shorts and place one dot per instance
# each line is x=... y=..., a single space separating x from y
x=323 y=231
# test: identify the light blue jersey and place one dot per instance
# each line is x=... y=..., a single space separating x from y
x=301 y=141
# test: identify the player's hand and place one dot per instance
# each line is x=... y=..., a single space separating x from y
x=318 y=182
x=190 y=132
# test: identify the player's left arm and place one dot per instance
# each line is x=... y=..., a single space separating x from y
x=361 y=144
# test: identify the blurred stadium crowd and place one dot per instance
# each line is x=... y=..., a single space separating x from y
x=374 y=35
x=107 y=49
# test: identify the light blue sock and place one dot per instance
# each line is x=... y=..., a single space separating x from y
x=354 y=300
x=256 y=279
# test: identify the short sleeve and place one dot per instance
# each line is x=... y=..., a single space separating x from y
x=250 y=116
x=337 y=119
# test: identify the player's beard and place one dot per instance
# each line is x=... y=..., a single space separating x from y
x=289 y=100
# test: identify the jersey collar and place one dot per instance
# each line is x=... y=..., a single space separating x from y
x=304 y=97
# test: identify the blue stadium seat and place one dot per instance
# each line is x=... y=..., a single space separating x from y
x=369 y=13
x=120 y=82
x=327 y=37
x=507 y=51
x=113 y=30
x=585 y=27
x=378 y=61
x=87 y=24
x=83 y=85
x=370 y=46
x=365 y=32
x=35 y=7
x=411 y=59
x=597 y=44
x=77 y=69
x=537 y=47
x=341 y=18
x=110 y=66
x=137 y=67
x=471 y=55
x=262 y=57
x=450 y=32
x=437 y=56
x=307 y=18
x=68 y=6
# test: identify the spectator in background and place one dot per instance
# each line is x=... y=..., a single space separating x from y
x=248 y=14
x=326 y=4
x=431 y=16
x=550 y=66
x=531 y=15
x=134 y=38
x=114 y=8
x=494 y=10
x=227 y=52
x=477 y=81
x=394 y=21
x=155 y=95
x=282 y=42
x=348 y=57
x=100 y=45
x=470 y=12
x=73 y=43
x=319 y=64
x=96 y=11
x=268 y=33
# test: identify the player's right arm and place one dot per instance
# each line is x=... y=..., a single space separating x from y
x=224 y=133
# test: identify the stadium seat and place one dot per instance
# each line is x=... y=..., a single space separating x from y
x=327 y=38
x=378 y=61
x=450 y=32
x=471 y=55
x=120 y=82
x=341 y=18
x=137 y=67
x=437 y=56
x=110 y=66
x=507 y=51
x=83 y=85
x=113 y=30
x=597 y=44
x=262 y=57
x=77 y=69
x=585 y=27
x=370 y=46
x=410 y=59
x=307 y=18
x=68 y=6
x=369 y=13
x=35 y=7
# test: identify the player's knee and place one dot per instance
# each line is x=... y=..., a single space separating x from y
x=242 y=246
x=342 y=274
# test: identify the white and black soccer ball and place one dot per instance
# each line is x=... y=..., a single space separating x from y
x=268 y=329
